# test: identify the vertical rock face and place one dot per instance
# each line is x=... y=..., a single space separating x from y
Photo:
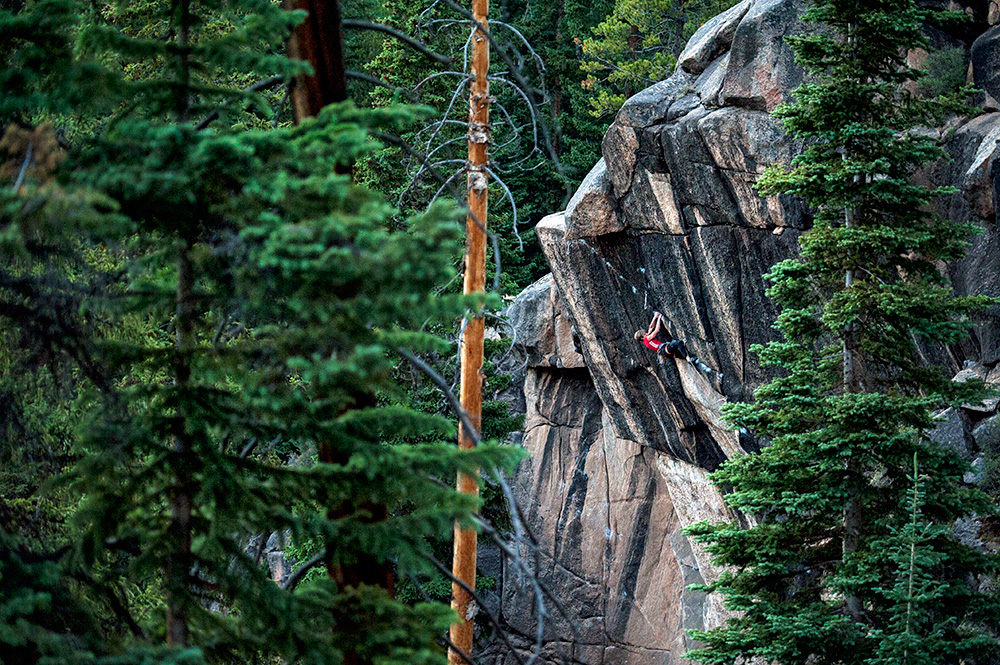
x=669 y=221
x=603 y=513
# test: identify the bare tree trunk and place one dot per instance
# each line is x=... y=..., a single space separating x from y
x=852 y=510
x=177 y=564
x=320 y=42
x=464 y=564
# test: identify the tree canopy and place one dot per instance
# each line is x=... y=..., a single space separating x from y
x=850 y=556
x=217 y=311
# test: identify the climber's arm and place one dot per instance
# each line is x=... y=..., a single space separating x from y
x=655 y=325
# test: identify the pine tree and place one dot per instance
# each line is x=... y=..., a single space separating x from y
x=637 y=45
x=823 y=576
x=230 y=294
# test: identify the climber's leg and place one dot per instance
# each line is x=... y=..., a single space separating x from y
x=700 y=365
x=708 y=371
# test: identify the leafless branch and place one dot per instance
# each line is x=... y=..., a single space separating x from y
x=446 y=184
x=421 y=15
x=256 y=87
x=523 y=536
x=424 y=166
x=300 y=572
x=444 y=121
x=459 y=338
x=28 y=156
x=465 y=50
x=443 y=162
x=447 y=112
x=415 y=44
x=537 y=58
x=513 y=555
x=431 y=77
x=451 y=645
x=367 y=78
x=513 y=203
x=503 y=110
x=524 y=95
x=439 y=381
x=513 y=339
x=479 y=603
x=521 y=82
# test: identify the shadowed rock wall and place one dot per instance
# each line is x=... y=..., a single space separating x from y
x=668 y=220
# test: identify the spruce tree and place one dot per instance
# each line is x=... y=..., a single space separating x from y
x=851 y=556
x=230 y=296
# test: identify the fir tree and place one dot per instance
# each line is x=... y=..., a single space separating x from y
x=823 y=576
x=227 y=301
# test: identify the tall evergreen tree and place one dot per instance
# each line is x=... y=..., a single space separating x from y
x=637 y=45
x=847 y=562
x=221 y=296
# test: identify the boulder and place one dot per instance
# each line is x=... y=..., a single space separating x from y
x=986 y=435
x=543 y=329
x=709 y=84
x=620 y=148
x=974 y=148
x=712 y=39
x=606 y=514
x=591 y=210
x=683 y=106
x=986 y=62
x=743 y=143
x=651 y=105
x=953 y=431
x=651 y=205
x=621 y=446
x=762 y=70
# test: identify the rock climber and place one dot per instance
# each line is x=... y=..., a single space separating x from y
x=675 y=349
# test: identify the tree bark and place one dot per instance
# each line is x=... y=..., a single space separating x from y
x=464 y=564
x=852 y=510
x=319 y=40
x=177 y=564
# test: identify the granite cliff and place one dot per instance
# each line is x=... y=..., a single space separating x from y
x=668 y=220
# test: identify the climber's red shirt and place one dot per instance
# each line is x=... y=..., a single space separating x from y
x=652 y=344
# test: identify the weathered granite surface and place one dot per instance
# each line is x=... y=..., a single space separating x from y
x=668 y=220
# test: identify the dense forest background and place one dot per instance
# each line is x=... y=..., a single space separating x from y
x=209 y=314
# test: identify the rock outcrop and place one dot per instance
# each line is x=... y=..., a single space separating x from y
x=605 y=512
x=668 y=220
